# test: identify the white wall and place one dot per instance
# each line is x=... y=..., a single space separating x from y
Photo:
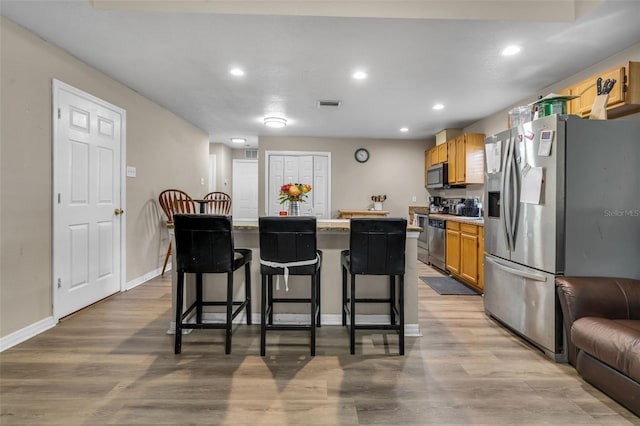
x=166 y=150
x=395 y=168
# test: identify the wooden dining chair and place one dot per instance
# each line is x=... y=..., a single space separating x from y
x=174 y=201
x=218 y=203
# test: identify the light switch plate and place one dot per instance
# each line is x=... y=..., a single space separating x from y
x=131 y=171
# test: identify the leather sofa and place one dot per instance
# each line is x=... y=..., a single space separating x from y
x=602 y=322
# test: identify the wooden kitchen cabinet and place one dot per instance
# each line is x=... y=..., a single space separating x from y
x=466 y=159
x=464 y=257
x=452 y=244
x=451 y=154
x=442 y=153
x=469 y=253
x=624 y=99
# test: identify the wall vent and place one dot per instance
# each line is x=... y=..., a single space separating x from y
x=250 y=154
x=329 y=104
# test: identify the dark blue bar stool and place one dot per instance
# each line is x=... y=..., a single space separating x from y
x=376 y=247
x=204 y=245
x=288 y=246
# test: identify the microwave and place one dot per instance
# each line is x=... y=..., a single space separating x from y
x=437 y=176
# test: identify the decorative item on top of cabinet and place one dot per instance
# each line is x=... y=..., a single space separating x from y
x=624 y=98
x=466 y=159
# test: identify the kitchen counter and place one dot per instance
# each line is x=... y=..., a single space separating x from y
x=348 y=214
x=462 y=219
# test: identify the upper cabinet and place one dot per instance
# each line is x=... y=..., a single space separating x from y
x=623 y=99
x=466 y=159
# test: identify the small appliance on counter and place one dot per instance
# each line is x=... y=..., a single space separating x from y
x=472 y=207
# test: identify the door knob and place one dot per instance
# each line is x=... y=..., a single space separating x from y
x=118 y=212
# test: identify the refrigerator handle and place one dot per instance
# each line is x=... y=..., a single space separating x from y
x=506 y=192
x=514 y=271
x=515 y=202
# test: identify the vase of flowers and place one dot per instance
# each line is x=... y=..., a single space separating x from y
x=294 y=194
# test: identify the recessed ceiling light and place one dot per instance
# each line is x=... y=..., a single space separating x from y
x=238 y=72
x=511 y=50
x=359 y=75
x=238 y=140
x=275 y=122
x=404 y=129
x=438 y=106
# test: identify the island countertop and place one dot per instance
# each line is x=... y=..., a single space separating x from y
x=322 y=224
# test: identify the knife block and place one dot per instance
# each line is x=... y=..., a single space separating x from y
x=599 y=108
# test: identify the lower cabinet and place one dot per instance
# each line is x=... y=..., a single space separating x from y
x=452 y=245
x=464 y=252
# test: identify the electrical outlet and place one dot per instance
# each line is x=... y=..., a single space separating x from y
x=414 y=199
x=201 y=181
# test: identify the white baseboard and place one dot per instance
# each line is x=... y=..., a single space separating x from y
x=26 y=333
x=144 y=278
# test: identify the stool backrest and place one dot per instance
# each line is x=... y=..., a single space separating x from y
x=220 y=203
x=204 y=243
x=288 y=238
x=377 y=246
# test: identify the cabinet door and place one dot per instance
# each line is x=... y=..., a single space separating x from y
x=434 y=155
x=587 y=91
x=427 y=163
x=452 y=258
x=461 y=159
x=442 y=153
x=469 y=256
x=451 y=155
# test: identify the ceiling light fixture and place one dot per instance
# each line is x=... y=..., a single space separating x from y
x=275 y=122
x=237 y=72
x=238 y=140
x=438 y=106
x=404 y=129
x=510 y=50
x=359 y=75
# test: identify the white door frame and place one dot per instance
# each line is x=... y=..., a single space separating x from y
x=56 y=86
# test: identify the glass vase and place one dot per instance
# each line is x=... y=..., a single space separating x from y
x=294 y=208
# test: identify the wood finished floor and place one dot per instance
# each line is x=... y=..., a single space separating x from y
x=113 y=364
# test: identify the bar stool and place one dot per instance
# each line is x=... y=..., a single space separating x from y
x=288 y=246
x=376 y=247
x=204 y=245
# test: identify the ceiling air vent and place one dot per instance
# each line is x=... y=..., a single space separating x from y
x=329 y=104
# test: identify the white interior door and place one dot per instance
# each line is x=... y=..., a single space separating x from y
x=213 y=169
x=88 y=139
x=245 y=189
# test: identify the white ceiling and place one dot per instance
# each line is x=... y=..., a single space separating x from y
x=179 y=53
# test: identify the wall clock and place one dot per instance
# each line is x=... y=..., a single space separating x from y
x=362 y=155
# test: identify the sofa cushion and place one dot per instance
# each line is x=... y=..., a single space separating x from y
x=614 y=342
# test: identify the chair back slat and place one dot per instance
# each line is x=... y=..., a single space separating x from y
x=377 y=246
x=175 y=201
x=219 y=203
x=204 y=243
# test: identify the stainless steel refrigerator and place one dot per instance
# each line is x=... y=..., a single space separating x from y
x=562 y=197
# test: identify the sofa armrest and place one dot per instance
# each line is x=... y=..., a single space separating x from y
x=613 y=298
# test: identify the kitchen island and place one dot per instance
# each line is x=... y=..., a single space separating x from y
x=333 y=237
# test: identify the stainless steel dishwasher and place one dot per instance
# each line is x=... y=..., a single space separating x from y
x=437 y=249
